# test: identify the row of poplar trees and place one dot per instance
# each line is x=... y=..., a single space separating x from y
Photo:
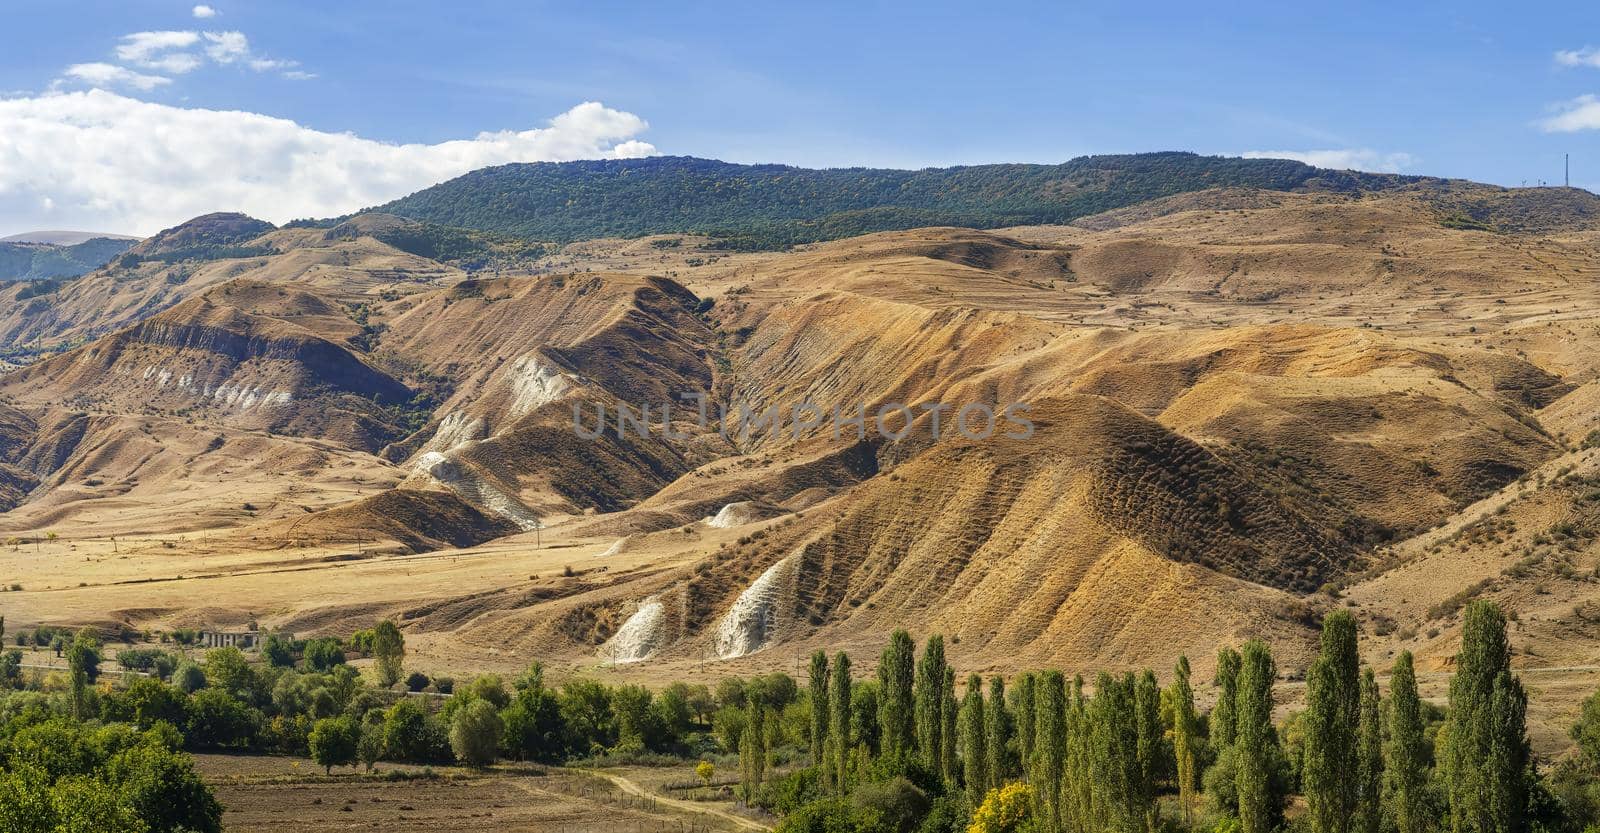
x=1096 y=763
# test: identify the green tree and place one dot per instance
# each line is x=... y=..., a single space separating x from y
x=974 y=754
x=1079 y=794
x=1152 y=748
x=389 y=650
x=997 y=736
x=1369 y=753
x=475 y=732
x=1050 y=746
x=639 y=726
x=820 y=715
x=753 y=749
x=407 y=735
x=1025 y=711
x=1226 y=681
x=277 y=651
x=896 y=720
x=323 y=653
x=949 y=763
x=189 y=677
x=534 y=730
x=837 y=768
x=1333 y=710
x=227 y=670
x=83 y=660
x=369 y=747
x=161 y=786
x=1485 y=748
x=1408 y=753
x=334 y=741
x=1260 y=811
x=1115 y=771
x=1185 y=737
x=929 y=703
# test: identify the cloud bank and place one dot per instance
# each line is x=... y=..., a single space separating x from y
x=1585 y=57
x=1581 y=113
x=101 y=161
x=1355 y=159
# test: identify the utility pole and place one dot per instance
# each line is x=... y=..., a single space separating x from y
x=1566 y=170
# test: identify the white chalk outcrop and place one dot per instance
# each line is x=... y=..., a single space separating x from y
x=738 y=513
x=639 y=637
x=472 y=488
x=748 y=625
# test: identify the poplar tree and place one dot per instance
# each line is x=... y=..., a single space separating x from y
x=1407 y=753
x=1185 y=736
x=974 y=751
x=997 y=736
x=1129 y=801
x=1486 y=748
x=1333 y=709
x=819 y=706
x=1027 y=694
x=1078 y=793
x=1255 y=741
x=1226 y=681
x=1369 y=756
x=949 y=764
x=897 y=738
x=1152 y=750
x=752 y=749
x=388 y=652
x=837 y=769
x=81 y=657
x=1049 y=745
x=930 y=703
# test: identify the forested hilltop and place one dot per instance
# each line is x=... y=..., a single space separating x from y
x=772 y=206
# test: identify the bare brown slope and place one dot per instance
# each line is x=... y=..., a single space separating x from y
x=184 y=262
x=1080 y=545
x=239 y=369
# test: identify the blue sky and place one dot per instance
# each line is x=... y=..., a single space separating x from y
x=1466 y=90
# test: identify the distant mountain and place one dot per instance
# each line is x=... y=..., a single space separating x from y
x=63 y=238
x=28 y=261
x=772 y=206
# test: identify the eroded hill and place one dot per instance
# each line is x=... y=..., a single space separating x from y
x=1246 y=403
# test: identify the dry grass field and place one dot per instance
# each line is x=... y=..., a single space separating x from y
x=270 y=793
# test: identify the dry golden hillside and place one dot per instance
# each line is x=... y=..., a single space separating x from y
x=1248 y=407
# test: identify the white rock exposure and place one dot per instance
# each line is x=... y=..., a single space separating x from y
x=639 y=637
x=748 y=624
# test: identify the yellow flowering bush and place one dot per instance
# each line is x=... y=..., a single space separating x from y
x=1005 y=810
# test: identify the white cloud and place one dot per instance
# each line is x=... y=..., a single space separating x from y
x=1352 y=159
x=170 y=52
x=1581 y=113
x=110 y=162
x=203 y=12
x=227 y=47
x=111 y=75
x=1585 y=57
x=142 y=47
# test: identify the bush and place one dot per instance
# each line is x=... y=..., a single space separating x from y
x=416 y=681
x=895 y=805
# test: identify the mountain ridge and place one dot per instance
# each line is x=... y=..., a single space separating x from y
x=768 y=206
